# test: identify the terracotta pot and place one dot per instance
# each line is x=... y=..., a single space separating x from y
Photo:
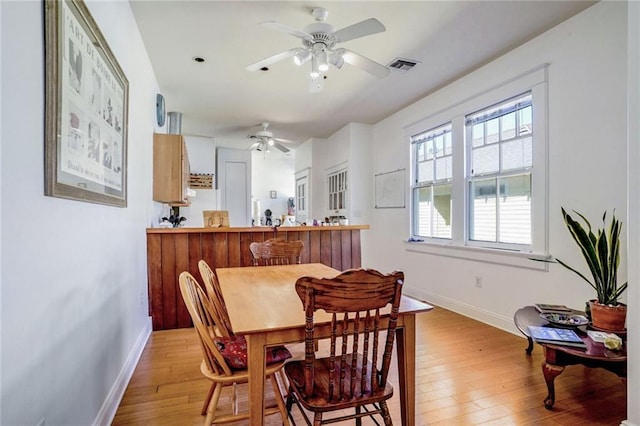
x=606 y=317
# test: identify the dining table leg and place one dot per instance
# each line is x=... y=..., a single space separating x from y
x=406 y=346
x=256 y=359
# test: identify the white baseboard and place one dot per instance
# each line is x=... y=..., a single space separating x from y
x=110 y=406
x=627 y=423
x=498 y=321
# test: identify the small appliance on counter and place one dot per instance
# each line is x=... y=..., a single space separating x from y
x=289 y=221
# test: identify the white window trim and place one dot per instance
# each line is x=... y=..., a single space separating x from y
x=535 y=81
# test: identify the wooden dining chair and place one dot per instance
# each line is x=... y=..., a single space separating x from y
x=223 y=322
x=214 y=292
x=354 y=375
x=276 y=251
x=218 y=361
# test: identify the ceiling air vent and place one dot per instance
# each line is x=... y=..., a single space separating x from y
x=402 y=64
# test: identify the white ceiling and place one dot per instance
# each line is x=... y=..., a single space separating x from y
x=221 y=98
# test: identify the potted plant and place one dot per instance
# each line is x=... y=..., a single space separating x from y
x=601 y=251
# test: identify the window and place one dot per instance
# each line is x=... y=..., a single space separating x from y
x=432 y=190
x=301 y=195
x=499 y=140
x=479 y=171
x=338 y=191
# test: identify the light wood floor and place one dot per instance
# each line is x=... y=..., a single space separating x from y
x=468 y=373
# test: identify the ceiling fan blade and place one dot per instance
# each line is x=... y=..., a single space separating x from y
x=254 y=146
x=277 y=26
x=271 y=59
x=361 y=29
x=281 y=147
x=364 y=63
x=283 y=140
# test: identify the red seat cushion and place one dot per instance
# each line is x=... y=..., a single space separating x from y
x=234 y=351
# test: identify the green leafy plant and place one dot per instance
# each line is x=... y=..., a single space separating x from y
x=601 y=251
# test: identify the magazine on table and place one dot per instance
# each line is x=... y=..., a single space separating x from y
x=547 y=307
x=556 y=336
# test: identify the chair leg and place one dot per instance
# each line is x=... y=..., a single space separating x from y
x=285 y=384
x=213 y=405
x=385 y=413
x=234 y=398
x=358 y=419
x=290 y=400
x=279 y=400
x=207 y=399
x=317 y=419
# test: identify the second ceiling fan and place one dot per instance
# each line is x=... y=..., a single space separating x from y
x=264 y=140
x=319 y=42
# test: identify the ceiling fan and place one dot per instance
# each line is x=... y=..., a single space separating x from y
x=319 y=42
x=264 y=140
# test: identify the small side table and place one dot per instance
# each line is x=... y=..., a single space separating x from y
x=557 y=357
x=529 y=315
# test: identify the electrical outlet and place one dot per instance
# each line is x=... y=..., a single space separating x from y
x=479 y=282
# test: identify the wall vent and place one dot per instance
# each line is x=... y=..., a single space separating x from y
x=403 y=64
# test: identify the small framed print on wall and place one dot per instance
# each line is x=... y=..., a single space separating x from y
x=86 y=109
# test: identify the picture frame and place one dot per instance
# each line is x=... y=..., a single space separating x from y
x=273 y=194
x=86 y=109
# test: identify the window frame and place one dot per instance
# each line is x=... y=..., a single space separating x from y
x=336 y=171
x=498 y=175
x=534 y=81
x=428 y=135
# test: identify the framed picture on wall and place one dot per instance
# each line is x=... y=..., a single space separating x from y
x=86 y=109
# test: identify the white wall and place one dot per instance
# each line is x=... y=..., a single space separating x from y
x=350 y=147
x=304 y=155
x=273 y=171
x=1 y=222
x=633 y=229
x=74 y=286
x=312 y=155
x=587 y=134
x=361 y=180
x=202 y=159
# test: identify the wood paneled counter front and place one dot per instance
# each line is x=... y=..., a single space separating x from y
x=173 y=250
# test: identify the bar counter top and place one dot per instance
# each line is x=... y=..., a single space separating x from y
x=254 y=229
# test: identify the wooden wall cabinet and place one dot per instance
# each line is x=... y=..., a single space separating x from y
x=170 y=169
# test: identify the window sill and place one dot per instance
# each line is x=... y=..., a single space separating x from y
x=499 y=257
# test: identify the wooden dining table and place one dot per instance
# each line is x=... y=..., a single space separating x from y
x=264 y=307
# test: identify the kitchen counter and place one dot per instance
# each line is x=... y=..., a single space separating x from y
x=256 y=229
x=170 y=251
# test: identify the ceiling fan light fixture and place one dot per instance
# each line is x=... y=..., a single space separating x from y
x=301 y=56
x=315 y=70
x=336 y=59
x=270 y=141
x=323 y=63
